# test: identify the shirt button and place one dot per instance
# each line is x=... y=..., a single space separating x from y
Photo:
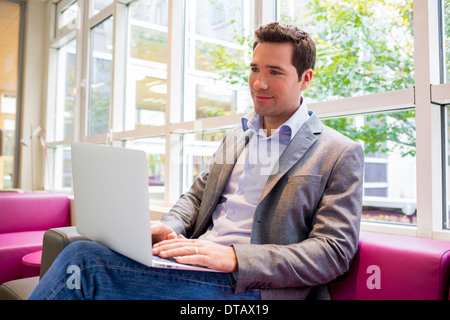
x=240 y=192
x=232 y=212
x=216 y=234
x=251 y=166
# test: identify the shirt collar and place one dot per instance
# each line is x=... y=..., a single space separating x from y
x=286 y=131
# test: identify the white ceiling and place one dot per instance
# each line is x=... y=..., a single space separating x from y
x=9 y=45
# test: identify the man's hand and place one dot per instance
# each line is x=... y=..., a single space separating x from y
x=198 y=252
x=161 y=232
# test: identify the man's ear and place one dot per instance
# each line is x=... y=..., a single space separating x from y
x=306 y=79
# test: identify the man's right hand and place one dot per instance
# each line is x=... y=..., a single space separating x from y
x=161 y=232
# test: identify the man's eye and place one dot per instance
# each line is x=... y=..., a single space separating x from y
x=254 y=69
x=275 y=73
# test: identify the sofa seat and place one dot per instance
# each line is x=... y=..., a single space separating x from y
x=392 y=267
x=13 y=247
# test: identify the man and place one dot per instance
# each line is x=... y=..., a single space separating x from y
x=278 y=209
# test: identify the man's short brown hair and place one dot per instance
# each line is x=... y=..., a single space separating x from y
x=304 y=53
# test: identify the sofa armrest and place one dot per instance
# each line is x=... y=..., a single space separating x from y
x=18 y=289
x=55 y=240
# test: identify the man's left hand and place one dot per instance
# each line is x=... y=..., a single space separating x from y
x=198 y=252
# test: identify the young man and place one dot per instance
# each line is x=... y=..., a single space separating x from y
x=278 y=209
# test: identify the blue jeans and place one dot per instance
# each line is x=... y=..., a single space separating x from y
x=88 y=270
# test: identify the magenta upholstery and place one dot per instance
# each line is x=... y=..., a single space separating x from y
x=391 y=267
x=24 y=217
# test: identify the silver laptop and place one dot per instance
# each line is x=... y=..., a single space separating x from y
x=112 y=202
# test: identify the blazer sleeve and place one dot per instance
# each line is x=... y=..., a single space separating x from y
x=331 y=245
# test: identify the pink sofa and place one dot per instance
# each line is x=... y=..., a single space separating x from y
x=392 y=267
x=24 y=218
x=386 y=267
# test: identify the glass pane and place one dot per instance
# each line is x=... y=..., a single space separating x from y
x=148 y=44
x=363 y=47
x=215 y=100
x=446 y=9
x=218 y=52
x=8 y=128
x=446 y=152
x=68 y=14
x=198 y=149
x=99 y=5
x=62 y=167
x=146 y=85
x=65 y=93
x=100 y=77
x=9 y=66
x=156 y=153
x=390 y=163
x=150 y=11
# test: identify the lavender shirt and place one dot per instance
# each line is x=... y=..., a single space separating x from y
x=233 y=215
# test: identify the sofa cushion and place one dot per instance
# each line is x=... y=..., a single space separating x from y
x=33 y=211
x=391 y=267
x=13 y=246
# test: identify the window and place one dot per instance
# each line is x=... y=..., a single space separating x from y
x=446 y=166
x=68 y=13
x=389 y=142
x=217 y=58
x=7 y=133
x=146 y=85
x=441 y=97
x=12 y=18
x=99 y=5
x=63 y=94
x=198 y=149
x=61 y=159
x=445 y=108
x=362 y=47
x=64 y=106
x=100 y=63
x=446 y=40
x=155 y=149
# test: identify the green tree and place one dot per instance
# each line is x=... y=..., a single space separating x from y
x=363 y=47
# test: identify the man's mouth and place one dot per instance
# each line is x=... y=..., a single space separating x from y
x=262 y=97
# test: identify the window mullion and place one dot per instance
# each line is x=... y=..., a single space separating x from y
x=428 y=144
x=118 y=67
x=174 y=97
x=265 y=12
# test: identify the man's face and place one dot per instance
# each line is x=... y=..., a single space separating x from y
x=274 y=84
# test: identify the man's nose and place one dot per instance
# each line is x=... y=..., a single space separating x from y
x=260 y=83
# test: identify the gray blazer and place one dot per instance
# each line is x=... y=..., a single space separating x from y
x=306 y=224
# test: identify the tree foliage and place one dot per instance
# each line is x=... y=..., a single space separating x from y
x=363 y=47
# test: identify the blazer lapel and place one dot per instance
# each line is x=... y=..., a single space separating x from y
x=296 y=149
